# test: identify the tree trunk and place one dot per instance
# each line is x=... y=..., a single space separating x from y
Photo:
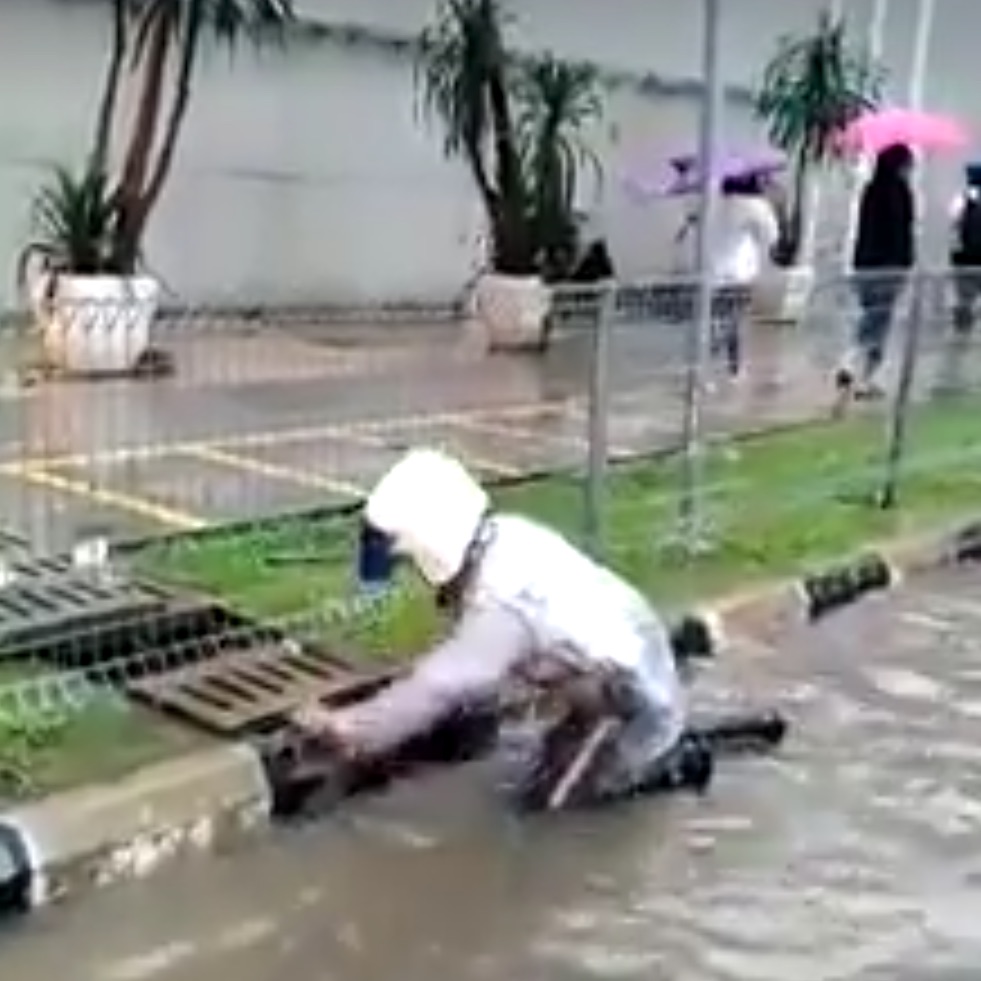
x=110 y=92
x=175 y=119
x=798 y=212
x=513 y=247
x=132 y=184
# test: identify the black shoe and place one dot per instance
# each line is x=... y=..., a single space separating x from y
x=689 y=766
x=844 y=390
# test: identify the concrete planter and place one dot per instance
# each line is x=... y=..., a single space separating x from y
x=782 y=295
x=97 y=324
x=512 y=310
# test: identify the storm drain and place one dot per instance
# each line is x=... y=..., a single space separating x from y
x=182 y=654
x=242 y=691
x=44 y=599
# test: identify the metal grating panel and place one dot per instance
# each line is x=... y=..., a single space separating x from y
x=238 y=691
x=49 y=597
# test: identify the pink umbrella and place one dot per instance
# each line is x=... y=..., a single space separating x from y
x=874 y=131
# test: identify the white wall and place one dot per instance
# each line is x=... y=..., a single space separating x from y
x=308 y=177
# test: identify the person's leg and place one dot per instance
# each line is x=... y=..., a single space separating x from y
x=967 y=288
x=878 y=298
x=871 y=327
x=600 y=757
x=715 y=333
x=535 y=756
x=729 y=309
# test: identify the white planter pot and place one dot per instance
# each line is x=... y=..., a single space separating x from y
x=783 y=295
x=99 y=324
x=512 y=311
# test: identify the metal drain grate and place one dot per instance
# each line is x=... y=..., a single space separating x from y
x=47 y=598
x=240 y=691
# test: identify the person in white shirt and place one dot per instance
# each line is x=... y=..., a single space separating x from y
x=528 y=607
x=745 y=234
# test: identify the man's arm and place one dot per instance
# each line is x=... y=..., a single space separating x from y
x=469 y=667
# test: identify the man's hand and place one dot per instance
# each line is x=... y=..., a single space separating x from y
x=321 y=724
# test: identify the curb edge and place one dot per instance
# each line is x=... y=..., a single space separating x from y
x=94 y=836
x=879 y=567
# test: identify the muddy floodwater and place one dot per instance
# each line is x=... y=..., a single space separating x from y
x=851 y=855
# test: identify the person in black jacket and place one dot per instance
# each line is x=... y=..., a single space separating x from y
x=965 y=252
x=884 y=254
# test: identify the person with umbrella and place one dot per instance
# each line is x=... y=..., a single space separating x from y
x=885 y=246
x=745 y=234
x=883 y=255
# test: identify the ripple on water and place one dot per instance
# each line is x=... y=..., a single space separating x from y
x=903 y=683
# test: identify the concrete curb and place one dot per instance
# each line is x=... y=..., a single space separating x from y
x=94 y=836
x=815 y=595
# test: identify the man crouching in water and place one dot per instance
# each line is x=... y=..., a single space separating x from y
x=528 y=609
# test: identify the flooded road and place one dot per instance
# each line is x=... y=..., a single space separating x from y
x=852 y=855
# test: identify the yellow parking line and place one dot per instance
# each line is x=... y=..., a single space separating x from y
x=356 y=431
x=275 y=471
x=142 y=507
x=529 y=436
x=478 y=462
x=494 y=467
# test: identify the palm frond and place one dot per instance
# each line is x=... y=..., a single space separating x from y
x=458 y=55
x=813 y=88
x=558 y=101
x=73 y=217
x=227 y=21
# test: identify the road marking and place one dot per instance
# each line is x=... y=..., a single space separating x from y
x=356 y=431
x=529 y=436
x=275 y=471
x=142 y=507
x=478 y=462
x=472 y=460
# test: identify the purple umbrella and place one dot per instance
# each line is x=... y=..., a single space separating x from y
x=680 y=174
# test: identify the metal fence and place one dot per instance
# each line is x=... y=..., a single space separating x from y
x=242 y=416
x=241 y=421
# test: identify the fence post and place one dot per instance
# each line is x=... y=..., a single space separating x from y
x=603 y=302
x=690 y=515
x=899 y=410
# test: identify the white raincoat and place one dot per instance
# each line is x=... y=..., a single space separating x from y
x=531 y=605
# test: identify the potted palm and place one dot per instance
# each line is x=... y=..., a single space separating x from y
x=812 y=88
x=515 y=127
x=108 y=306
x=92 y=316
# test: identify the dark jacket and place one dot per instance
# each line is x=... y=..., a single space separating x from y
x=886 y=219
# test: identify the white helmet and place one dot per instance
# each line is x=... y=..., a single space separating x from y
x=431 y=508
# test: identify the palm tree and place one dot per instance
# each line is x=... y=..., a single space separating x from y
x=557 y=101
x=812 y=89
x=464 y=77
x=162 y=41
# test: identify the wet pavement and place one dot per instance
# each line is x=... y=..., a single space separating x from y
x=262 y=422
x=851 y=856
